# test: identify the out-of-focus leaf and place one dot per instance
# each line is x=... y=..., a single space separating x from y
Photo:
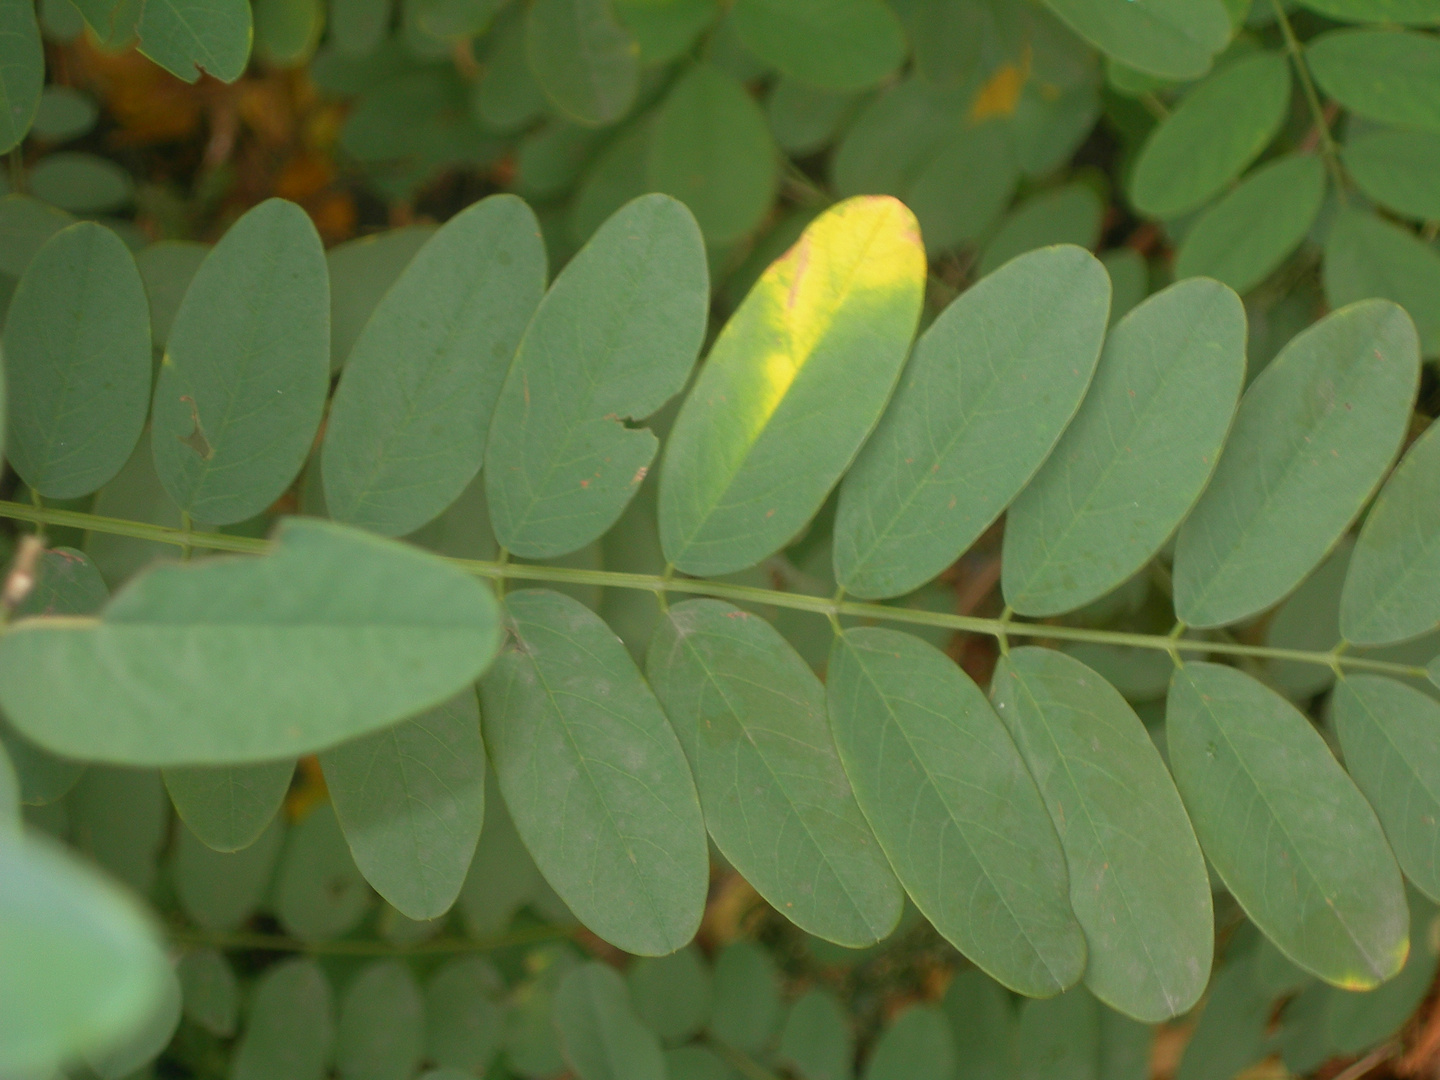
x=600 y=1035
x=835 y=44
x=1067 y=215
x=291 y=1028
x=167 y=268
x=816 y=1040
x=191 y=37
x=1172 y=39
x=319 y=891
x=584 y=59
x=464 y=1015
x=1367 y=256
x=672 y=994
x=381 y=1033
x=1396 y=169
x=22 y=71
x=210 y=993
x=747 y=997
x=229 y=806
x=916 y=1046
x=1384 y=75
x=81 y=183
x=220 y=890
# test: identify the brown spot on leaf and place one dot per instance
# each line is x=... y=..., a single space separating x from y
x=196 y=439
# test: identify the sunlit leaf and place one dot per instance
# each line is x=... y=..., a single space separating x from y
x=954 y=808
x=751 y=716
x=1287 y=831
x=594 y=777
x=1312 y=438
x=990 y=388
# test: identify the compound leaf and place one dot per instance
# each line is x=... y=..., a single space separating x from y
x=750 y=715
x=954 y=808
x=1218 y=128
x=1392 y=589
x=1390 y=736
x=1253 y=229
x=409 y=420
x=1137 y=878
x=793 y=385
x=1287 y=831
x=230 y=661
x=411 y=800
x=992 y=384
x=1312 y=438
x=77 y=363
x=1136 y=457
x=614 y=339
x=593 y=776
x=246 y=371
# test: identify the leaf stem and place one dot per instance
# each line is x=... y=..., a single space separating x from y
x=1328 y=150
x=742 y=594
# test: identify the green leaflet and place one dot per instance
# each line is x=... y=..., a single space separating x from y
x=916 y=1046
x=219 y=890
x=1396 y=169
x=1252 y=229
x=1066 y=215
x=1285 y=828
x=1392 y=76
x=594 y=777
x=361 y=273
x=319 y=892
x=793 y=385
x=1414 y=12
x=1356 y=1022
x=64 y=113
x=381 y=1033
x=583 y=58
x=22 y=71
x=287 y=31
x=1367 y=256
x=1137 y=878
x=834 y=44
x=600 y=1035
x=291 y=1026
x=408 y=423
x=954 y=808
x=80 y=965
x=357 y=27
x=9 y=794
x=1309 y=618
x=672 y=994
x=1312 y=438
x=562 y=463
x=229 y=806
x=25 y=225
x=1390 y=736
x=982 y=1022
x=506 y=96
x=1074 y=1037
x=816 y=1041
x=1136 y=457
x=616 y=176
x=503 y=877
x=711 y=150
x=1392 y=590
x=229 y=661
x=77 y=363
x=665 y=31
x=1218 y=128
x=145 y=1043
x=464 y=1014
x=747 y=997
x=1172 y=39
x=188 y=37
x=167 y=268
x=242 y=385
x=804 y=118
x=411 y=799
x=210 y=993
x=120 y=818
x=1231 y=1031
x=81 y=183
x=991 y=386
x=750 y=715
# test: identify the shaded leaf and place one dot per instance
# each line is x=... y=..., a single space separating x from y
x=361 y=273
x=407 y=426
x=751 y=716
x=463 y=1014
x=220 y=890
x=1312 y=438
x=1139 y=453
x=210 y=993
x=747 y=997
x=167 y=268
x=291 y=1027
x=1396 y=169
x=672 y=994
x=22 y=71
x=1218 y=128
x=1231 y=1031
x=242 y=386
x=381 y=1033
x=1384 y=75
x=954 y=808
x=1357 y=1021
x=600 y=1035
x=916 y=1046
x=583 y=58
x=1173 y=40
x=77 y=363
x=319 y=892
x=816 y=1041
x=967 y=428
x=411 y=800
x=983 y=1025
x=562 y=463
x=228 y=806
x=1067 y=215
x=1285 y=828
x=1367 y=256
x=835 y=44
x=594 y=777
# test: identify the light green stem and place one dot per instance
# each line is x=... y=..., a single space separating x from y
x=1328 y=149
x=826 y=607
